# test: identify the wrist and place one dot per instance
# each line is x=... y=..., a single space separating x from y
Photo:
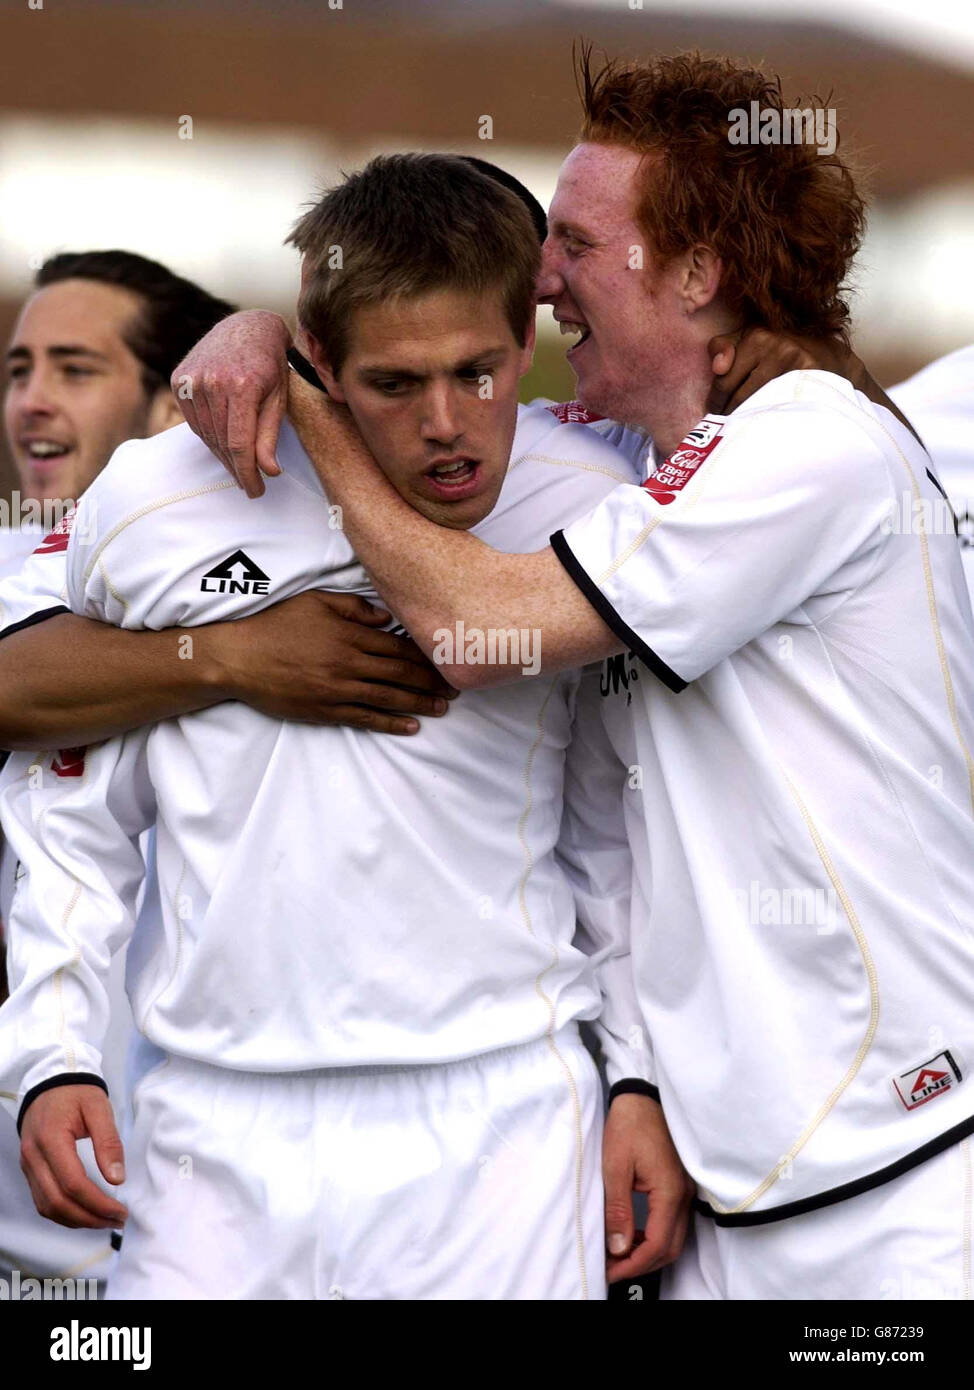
x=634 y=1086
x=218 y=668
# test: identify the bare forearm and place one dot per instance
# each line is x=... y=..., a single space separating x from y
x=70 y=681
x=430 y=575
x=435 y=578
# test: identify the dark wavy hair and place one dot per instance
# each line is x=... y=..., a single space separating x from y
x=174 y=315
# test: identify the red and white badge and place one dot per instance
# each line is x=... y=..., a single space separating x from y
x=674 y=473
x=927 y=1081
x=69 y=762
x=58 y=539
x=574 y=413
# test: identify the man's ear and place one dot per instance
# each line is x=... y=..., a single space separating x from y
x=164 y=412
x=322 y=366
x=700 y=278
x=527 y=352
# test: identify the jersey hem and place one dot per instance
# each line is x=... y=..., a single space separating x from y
x=845 y=1190
x=634 y=1086
x=40 y=617
x=594 y=595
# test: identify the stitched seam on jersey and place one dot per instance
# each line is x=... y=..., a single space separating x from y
x=932 y=607
x=867 y=1041
x=179 y=949
x=539 y=990
x=965 y=1149
x=146 y=511
x=570 y=463
x=111 y=589
x=73 y=1271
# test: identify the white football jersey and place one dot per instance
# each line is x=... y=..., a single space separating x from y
x=939 y=401
x=33 y=577
x=16 y=543
x=797 y=711
x=27 y=1241
x=329 y=897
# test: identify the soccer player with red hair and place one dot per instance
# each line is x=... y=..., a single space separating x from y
x=796 y=708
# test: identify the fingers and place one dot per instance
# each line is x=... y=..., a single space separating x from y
x=722 y=351
x=186 y=400
x=395 y=699
x=269 y=420
x=371 y=720
x=731 y=379
x=617 y=1173
x=394 y=670
x=636 y=1265
x=241 y=441
x=109 y=1154
x=53 y=1203
x=666 y=1228
x=206 y=428
x=49 y=1158
x=354 y=608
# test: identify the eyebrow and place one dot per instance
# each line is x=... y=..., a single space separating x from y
x=60 y=350
x=561 y=228
x=476 y=359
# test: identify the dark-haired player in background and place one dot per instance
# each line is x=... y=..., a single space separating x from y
x=87 y=368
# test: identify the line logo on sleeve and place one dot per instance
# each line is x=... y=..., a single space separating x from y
x=674 y=473
x=236 y=575
x=927 y=1081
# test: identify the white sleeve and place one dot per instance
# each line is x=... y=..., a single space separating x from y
x=89 y=589
x=73 y=821
x=686 y=575
x=39 y=589
x=593 y=850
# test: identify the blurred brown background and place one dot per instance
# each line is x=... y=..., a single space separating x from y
x=282 y=94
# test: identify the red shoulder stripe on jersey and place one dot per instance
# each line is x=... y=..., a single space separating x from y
x=674 y=473
x=58 y=538
x=69 y=762
x=574 y=413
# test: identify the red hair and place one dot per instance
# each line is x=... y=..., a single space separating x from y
x=785 y=220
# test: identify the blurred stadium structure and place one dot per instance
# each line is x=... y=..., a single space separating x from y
x=283 y=93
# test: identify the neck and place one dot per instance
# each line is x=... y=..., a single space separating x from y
x=679 y=394
x=669 y=420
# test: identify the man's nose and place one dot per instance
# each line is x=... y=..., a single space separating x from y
x=550 y=282
x=441 y=418
x=35 y=396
